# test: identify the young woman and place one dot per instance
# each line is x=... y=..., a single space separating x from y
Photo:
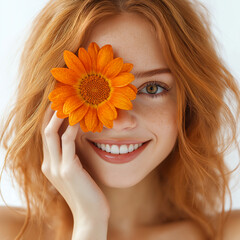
x=171 y=181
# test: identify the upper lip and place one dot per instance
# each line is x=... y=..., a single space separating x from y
x=117 y=142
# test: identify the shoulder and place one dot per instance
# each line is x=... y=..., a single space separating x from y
x=11 y=221
x=181 y=230
x=189 y=230
x=232 y=227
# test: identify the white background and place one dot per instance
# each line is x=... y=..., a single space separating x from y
x=15 y=18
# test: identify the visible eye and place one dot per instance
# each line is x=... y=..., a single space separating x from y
x=153 y=87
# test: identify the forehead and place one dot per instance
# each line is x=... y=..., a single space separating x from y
x=132 y=38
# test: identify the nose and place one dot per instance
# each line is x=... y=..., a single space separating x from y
x=125 y=120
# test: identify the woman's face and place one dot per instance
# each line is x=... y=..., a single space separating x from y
x=153 y=116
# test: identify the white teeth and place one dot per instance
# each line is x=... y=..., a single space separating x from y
x=124 y=149
x=108 y=149
x=115 y=149
x=130 y=148
x=103 y=147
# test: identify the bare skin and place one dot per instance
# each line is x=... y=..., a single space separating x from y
x=132 y=189
x=11 y=223
x=127 y=193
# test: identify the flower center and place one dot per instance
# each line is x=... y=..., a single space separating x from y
x=94 y=89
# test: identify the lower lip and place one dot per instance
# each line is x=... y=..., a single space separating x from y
x=118 y=158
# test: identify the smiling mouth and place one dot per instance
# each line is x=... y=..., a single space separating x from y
x=116 y=157
x=133 y=147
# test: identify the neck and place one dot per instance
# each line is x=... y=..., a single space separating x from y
x=136 y=206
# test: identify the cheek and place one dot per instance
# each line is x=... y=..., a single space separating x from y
x=160 y=117
x=162 y=124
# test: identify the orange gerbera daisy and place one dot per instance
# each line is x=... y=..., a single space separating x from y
x=92 y=87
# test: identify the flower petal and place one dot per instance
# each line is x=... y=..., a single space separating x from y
x=57 y=105
x=78 y=114
x=105 y=56
x=59 y=84
x=74 y=63
x=83 y=125
x=72 y=103
x=61 y=93
x=133 y=87
x=127 y=67
x=113 y=68
x=127 y=91
x=122 y=80
x=113 y=109
x=108 y=123
x=99 y=127
x=121 y=101
x=94 y=130
x=85 y=59
x=93 y=50
x=107 y=110
x=65 y=75
x=60 y=114
x=91 y=119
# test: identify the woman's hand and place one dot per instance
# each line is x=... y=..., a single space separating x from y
x=64 y=170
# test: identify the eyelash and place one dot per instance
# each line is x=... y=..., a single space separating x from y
x=153 y=95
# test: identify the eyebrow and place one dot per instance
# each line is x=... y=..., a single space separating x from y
x=151 y=72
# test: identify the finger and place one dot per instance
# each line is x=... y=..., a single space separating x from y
x=47 y=116
x=53 y=141
x=68 y=144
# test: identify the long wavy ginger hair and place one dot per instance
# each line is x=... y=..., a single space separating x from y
x=195 y=177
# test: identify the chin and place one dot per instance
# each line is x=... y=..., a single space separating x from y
x=114 y=181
